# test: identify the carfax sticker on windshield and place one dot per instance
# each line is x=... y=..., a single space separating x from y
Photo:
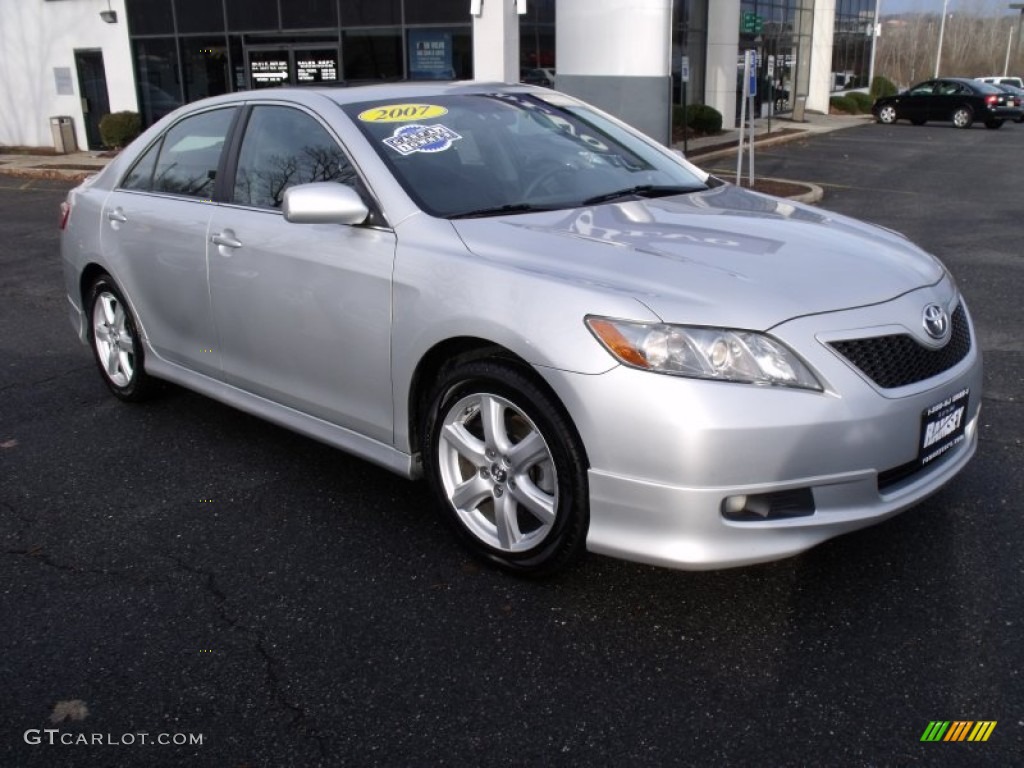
x=401 y=113
x=421 y=138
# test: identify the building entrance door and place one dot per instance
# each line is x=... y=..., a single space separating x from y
x=92 y=87
x=299 y=64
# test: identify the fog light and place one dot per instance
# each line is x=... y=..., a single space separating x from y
x=796 y=502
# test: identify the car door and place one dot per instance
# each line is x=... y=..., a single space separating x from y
x=948 y=96
x=303 y=311
x=917 y=103
x=155 y=232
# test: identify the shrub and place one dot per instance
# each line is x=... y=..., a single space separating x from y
x=119 y=128
x=699 y=118
x=883 y=86
x=844 y=104
x=862 y=100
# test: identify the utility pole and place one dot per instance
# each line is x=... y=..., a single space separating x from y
x=1018 y=7
x=1009 y=46
x=874 y=45
x=942 y=32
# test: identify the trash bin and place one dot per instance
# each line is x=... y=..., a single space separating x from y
x=63 y=130
x=799 y=105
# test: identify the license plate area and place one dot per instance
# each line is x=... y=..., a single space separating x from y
x=943 y=427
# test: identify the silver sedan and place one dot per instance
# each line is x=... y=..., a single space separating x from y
x=581 y=340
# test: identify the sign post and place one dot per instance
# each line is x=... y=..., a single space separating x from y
x=684 y=78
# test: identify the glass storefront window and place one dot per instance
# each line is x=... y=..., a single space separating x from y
x=436 y=12
x=379 y=13
x=372 y=54
x=156 y=62
x=204 y=63
x=149 y=17
x=199 y=16
x=309 y=14
x=440 y=53
x=251 y=15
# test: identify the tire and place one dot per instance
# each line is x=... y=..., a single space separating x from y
x=507 y=467
x=115 y=342
x=887 y=114
x=994 y=124
x=963 y=117
x=918 y=121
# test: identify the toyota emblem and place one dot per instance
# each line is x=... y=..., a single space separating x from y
x=936 y=321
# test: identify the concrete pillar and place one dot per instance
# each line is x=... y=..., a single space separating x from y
x=822 y=37
x=723 y=55
x=496 y=40
x=616 y=55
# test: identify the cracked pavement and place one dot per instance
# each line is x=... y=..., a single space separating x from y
x=179 y=567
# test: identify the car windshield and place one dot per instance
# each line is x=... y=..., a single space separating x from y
x=504 y=153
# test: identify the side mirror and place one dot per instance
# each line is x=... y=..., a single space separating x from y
x=324 y=202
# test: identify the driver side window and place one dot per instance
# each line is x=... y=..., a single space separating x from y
x=284 y=147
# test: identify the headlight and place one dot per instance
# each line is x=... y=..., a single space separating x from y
x=703 y=353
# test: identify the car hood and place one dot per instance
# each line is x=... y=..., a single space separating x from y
x=725 y=256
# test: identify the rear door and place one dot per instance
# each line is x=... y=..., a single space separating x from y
x=303 y=311
x=154 y=235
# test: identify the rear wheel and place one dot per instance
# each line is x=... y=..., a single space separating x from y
x=994 y=124
x=115 y=342
x=963 y=117
x=507 y=467
x=887 y=114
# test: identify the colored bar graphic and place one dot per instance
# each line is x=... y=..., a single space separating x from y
x=958 y=730
x=935 y=731
x=982 y=730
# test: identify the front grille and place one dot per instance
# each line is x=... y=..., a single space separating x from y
x=898 y=359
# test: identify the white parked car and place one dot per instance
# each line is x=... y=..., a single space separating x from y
x=1002 y=80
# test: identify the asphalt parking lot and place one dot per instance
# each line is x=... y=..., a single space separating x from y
x=187 y=572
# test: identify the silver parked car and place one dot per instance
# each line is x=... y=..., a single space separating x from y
x=579 y=338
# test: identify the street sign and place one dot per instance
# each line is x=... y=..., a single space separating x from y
x=751 y=23
x=684 y=69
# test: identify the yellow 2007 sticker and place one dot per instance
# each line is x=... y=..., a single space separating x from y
x=401 y=113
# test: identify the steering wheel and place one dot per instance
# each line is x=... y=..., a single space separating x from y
x=547 y=176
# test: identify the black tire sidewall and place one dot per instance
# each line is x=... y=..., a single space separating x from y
x=565 y=542
x=139 y=386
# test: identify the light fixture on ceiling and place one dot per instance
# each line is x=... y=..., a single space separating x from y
x=109 y=15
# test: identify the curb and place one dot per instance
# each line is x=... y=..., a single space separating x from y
x=72 y=177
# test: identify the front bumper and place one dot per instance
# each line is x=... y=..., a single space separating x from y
x=666 y=452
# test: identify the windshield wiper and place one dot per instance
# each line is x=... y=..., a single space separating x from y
x=498 y=210
x=642 y=190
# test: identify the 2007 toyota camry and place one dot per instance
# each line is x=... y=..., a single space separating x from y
x=580 y=339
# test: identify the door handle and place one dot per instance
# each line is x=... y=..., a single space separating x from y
x=226 y=238
x=117 y=214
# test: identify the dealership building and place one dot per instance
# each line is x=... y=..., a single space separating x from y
x=80 y=59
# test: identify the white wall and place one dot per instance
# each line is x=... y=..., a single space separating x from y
x=38 y=35
x=822 y=36
x=621 y=38
x=723 y=52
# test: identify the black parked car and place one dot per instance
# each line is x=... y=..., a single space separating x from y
x=957 y=99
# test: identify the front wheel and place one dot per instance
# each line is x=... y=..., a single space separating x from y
x=507 y=467
x=993 y=124
x=887 y=114
x=963 y=118
x=115 y=342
